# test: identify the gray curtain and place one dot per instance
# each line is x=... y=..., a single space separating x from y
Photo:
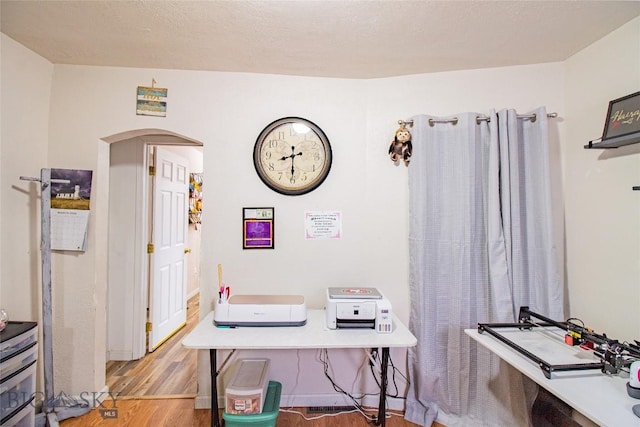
x=481 y=245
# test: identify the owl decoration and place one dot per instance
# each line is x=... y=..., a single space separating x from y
x=401 y=147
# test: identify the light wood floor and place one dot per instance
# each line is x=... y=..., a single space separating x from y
x=168 y=371
x=180 y=413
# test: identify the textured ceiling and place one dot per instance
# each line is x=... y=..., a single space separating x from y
x=351 y=39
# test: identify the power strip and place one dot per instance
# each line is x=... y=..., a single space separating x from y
x=329 y=409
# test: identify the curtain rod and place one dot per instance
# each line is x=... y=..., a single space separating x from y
x=454 y=120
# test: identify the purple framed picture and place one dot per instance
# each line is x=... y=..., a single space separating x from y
x=258 y=228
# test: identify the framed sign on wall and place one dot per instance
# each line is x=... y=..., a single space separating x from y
x=623 y=116
x=258 y=228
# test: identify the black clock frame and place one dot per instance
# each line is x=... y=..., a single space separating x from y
x=321 y=135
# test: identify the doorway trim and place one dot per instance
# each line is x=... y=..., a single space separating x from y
x=126 y=337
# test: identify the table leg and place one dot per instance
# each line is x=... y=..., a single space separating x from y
x=215 y=418
x=382 y=406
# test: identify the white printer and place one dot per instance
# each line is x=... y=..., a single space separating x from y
x=358 y=308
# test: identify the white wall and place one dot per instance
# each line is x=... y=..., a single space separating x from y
x=26 y=88
x=25 y=92
x=226 y=111
x=602 y=212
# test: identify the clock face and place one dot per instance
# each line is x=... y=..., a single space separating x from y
x=292 y=156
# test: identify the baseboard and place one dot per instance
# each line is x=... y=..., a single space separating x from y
x=193 y=293
x=305 y=401
x=98 y=398
x=105 y=393
x=119 y=355
x=204 y=402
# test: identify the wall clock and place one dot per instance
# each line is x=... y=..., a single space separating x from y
x=292 y=156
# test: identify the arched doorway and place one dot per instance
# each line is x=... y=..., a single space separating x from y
x=129 y=232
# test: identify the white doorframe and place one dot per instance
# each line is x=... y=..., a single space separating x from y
x=127 y=272
x=141 y=261
x=126 y=336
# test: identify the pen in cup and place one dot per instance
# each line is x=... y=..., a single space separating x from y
x=223 y=294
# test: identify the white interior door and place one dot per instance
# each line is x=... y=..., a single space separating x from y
x=168 y=278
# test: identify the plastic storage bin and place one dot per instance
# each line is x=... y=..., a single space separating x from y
x=18 y=359
x=246 y=392
x=269 y=413
x=23 y=418
x=17 y=391
x=16 y=337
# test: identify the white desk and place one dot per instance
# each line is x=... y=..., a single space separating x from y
x=206 y=336
x=601 y=398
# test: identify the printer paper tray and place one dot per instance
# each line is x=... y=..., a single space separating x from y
x=355 y=324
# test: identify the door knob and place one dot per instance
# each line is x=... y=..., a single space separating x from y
x=187 y=250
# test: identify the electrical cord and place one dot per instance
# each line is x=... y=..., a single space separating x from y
x=317 y=417
x=324 y=359
x=373 y=357
x=295 y=385
x=335 y=414
x=394 y=371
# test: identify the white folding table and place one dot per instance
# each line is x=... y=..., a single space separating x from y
x=314 y=334
x=600 y=397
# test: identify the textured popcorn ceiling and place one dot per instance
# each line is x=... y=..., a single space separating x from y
x=352 y=39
